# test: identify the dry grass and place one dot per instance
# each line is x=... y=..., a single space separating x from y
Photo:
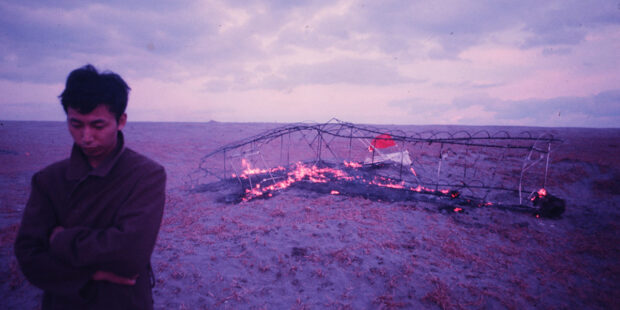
x=300 y=250
x=440 y=295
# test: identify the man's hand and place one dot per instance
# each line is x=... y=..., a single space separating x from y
x=114 y=278
x=56 y=230
x=101 y=275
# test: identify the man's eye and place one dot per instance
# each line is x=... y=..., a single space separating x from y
x=76 y=125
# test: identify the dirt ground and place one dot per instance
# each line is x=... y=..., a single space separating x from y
x=305 y=250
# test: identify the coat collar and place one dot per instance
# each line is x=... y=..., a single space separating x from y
x=80 y=168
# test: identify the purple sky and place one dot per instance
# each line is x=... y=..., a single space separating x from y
x=539 y=63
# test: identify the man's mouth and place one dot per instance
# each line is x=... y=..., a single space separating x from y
x=90 y=150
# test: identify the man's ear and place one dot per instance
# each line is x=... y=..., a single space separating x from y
x=122 y=121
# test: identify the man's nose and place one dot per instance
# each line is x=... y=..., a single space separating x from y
x=87 y=136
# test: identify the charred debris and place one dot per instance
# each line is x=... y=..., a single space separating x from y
x=456 y=170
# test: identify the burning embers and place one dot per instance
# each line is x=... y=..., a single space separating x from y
x=482 y=166
x=349 y=179
x=547 y=204
x=354 y=179
x=266 y=186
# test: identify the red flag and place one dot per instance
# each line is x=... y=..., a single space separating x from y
x=383 y=141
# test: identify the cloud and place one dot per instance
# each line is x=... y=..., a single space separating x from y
x=148 y=41
x=605 y=103
x=421 y=110
x=191 y=38
x=351 y=71
x=550 y=51
x=568 y=22
x=337 y=71
x=444 y=50
x=598 y=110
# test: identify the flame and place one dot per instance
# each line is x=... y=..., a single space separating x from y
x=352 y=164
x=458 y=209
x=301 y=172
x=542 y=192
x=385 y=182
x=539 y=194
x=248 y=170
x=413 y=171
x=324 y=175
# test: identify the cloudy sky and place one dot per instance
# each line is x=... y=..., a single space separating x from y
x=530 y=62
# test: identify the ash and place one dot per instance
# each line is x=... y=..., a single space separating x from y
x=450 y=169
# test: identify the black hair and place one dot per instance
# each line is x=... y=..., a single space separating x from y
x=86 y=89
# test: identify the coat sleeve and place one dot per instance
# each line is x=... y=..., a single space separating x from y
x=32 y=248
x=124 y=248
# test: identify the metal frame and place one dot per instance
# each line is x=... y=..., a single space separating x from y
x=522 y=166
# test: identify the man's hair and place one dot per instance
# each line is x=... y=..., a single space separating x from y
x=86 y=89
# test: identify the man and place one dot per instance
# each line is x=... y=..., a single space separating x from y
x=91 y=222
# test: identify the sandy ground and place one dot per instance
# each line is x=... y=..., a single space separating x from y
x=304 y=250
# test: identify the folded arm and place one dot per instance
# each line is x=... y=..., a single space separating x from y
x=32 y=249
x=101 y=275
x=125 y=248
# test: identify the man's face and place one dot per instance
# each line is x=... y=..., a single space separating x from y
x=96 y=132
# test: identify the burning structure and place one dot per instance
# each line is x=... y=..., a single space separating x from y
x=340 y=158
